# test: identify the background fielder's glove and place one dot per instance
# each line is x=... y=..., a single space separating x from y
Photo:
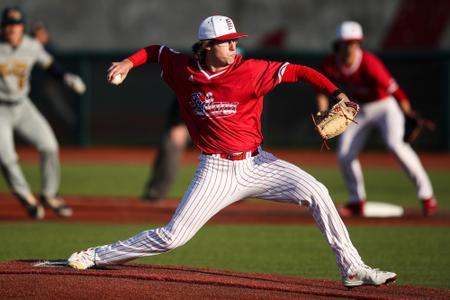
x=414 y=126
x=334 y=121
x=75 y=83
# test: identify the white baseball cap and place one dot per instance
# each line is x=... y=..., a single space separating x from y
x=349 y=31
x=218 y=28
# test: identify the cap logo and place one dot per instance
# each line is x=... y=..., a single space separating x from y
x=14 y=14
x=229 y=24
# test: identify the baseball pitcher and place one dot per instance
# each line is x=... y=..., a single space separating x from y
x=220 y=95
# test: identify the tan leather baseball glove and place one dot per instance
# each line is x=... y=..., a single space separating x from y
x=334 y=121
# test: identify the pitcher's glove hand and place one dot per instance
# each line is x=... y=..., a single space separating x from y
x=414 y=126
x=334 y=121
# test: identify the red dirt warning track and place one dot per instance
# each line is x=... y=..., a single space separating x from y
x=138 y=281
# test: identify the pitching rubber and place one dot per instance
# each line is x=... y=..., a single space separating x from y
x=51 y=263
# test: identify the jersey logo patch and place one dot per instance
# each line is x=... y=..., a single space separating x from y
x=17 y=68
x=206 y=107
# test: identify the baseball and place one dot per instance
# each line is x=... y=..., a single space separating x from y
x=117 y=79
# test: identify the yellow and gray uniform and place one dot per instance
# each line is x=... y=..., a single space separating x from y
x=19 y=115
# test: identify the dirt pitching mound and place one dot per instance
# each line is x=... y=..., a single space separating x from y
x=138 y=281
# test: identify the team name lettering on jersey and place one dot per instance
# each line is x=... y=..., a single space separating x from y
x=206 y=107
x=16 y=68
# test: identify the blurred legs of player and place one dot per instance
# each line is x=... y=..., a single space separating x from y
x=166 y=164
x=387 y=117
x=26 y=120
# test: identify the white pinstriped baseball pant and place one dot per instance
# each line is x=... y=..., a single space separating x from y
x=24 y=119
x=387 y=117
x=218 y=183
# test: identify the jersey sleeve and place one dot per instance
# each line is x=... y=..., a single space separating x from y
x=168 y=59
x=173 y=65
x=298 y=73
x=267 y=74
x=43 y=58
x=400 y=95
x=149 y=54
x=377 y=70
x=327 y=66
x=153 y=54
x=274 y=73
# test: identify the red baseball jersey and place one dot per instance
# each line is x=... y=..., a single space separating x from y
x=366 y=80
x=222 y=110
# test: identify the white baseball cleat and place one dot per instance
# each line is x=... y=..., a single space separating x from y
x=58 y=205
x=367 y=276
x=83 y=259
x=36 y=212
x=33 y=208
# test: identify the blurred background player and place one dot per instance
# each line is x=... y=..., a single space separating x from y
x=18 y=54
x=165 y=167
x=173 y=142
x=40 y=33
x=365 y=78
x=50 y=88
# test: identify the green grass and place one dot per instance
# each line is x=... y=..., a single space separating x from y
x=385 y=185
x=103 y=179
x=418 y=254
